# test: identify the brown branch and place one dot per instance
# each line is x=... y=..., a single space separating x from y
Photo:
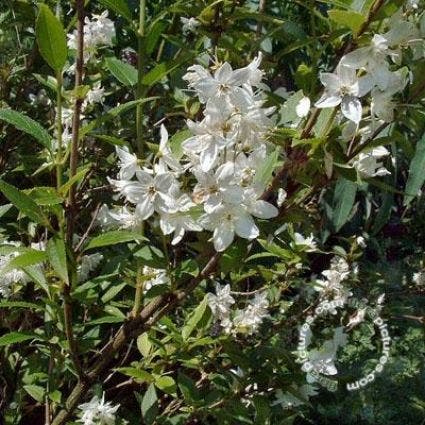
x=71 y=212
x=73 y=161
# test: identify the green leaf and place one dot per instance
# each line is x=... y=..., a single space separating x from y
x=114 y=112
x=35 y=391
x=56 y=253
x=14 y=338
x=176 y=142
x=144 y=345
x=348 y=19
x=265 y=172
x=27 y=259
x=114 y=237
x=44 y=195
x=106 y=319
x=63 y=190
x=123 y=72
x=416 y=172
x=19 y=304
x=24 y=203
x=344 y=197
x=149 y=405
x=188 y=388
x=157 y=73
x=27 y=125
x=194 y=319
x=136 y=373
x=166 y=384
x=118 y=6
x=51 y=38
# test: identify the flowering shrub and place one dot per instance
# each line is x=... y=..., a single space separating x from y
x=212 y=211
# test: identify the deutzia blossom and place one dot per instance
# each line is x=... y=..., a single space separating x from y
x=179 y=221
x=98 y=412
x=249 y=319
x=344 y=88
x=189 y=24
x=129 y=163
x=367 y=163
x=95 y=95
x=419 y=278
x=218 y=183
x=226 y=221
x=10 y=277
x=308 y=242
x=221 y=302
x=99 y=30
x=154 y=277
x=166 y=160
x=303 y=107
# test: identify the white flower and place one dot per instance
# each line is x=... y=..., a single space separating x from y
x=249 y=319
x=224 y=90
x=97 y=412
x=308 y=242
x=154 y=277
x=208 y=140
x=214 y=189
x=11 y=276
x=180 y=221
x=226 y=221
x=419 y=278
x=281 y=196
x=189 y=24
x=367 y=163
x=344 y=88
x=149 y=193
x=129 y=164
x=303 y=107
x=166 y=159
x=95 y=95
x=221 y=302
x=361 y=242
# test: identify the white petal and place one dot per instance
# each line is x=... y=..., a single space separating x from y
x=330 y=81
x=328 y=101
x=352 y=108
x=303 y=107
x=208 y=157
x=263 y=209
x=164 y=137
x=223 y=236
x=144 y=209
x=245 y=227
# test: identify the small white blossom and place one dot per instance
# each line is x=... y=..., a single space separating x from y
x=98 y=412
x=189 y=24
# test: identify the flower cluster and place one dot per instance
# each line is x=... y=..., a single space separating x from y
x=373 y=70
x=98 y=31
x=223 y=159
x=97 y=412
x=244 y=321
x=331 y=286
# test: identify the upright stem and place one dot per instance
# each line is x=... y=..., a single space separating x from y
x=59 y=129
x=140 y=73
x=72 y=210
x=73 y=162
